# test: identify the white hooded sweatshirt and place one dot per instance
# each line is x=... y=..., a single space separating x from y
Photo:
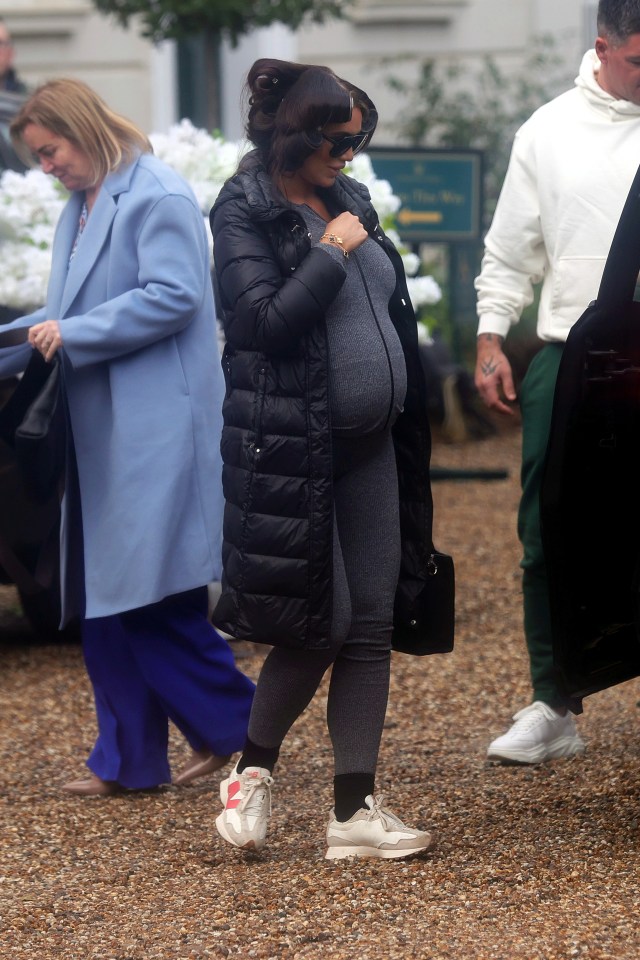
x=570 y=171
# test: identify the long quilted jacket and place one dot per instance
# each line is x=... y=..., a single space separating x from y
x=272 y=291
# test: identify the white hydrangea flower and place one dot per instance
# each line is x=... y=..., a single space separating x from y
x=423 y=291
x=382 y=196
x=204 y=160
x=410 y=260
x=360 y=168
x=31 y=203
x=411 y=263
x=384 y=199
x=28 y=200
x=394 y=236
x=25 y=274
x=424 y=336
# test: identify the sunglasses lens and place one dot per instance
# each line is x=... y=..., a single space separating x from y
x=339 y=146
x=362 y=140
x=355 y=142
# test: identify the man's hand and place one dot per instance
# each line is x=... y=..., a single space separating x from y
x=493 y=377
x=46 y=338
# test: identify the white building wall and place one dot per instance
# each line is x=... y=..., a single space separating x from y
x=276 y=41
x=394 y=37
x=380 y=37
x=69 y=38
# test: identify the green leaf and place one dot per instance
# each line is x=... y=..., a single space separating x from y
x=178 y=19
x=450 y=105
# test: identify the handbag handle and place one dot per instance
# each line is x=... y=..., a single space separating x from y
x=620 y=275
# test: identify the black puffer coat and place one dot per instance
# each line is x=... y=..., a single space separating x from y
x=272 y=292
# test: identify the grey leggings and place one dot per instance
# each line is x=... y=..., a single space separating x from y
x=366 y=564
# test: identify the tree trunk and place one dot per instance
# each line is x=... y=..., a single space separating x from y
x=211 y=79
x=199 y=79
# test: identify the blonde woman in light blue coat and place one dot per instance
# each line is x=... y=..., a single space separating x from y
x=130 y=313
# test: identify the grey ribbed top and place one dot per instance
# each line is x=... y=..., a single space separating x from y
x=367 y=373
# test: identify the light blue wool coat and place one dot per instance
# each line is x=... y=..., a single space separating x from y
x=144 y=388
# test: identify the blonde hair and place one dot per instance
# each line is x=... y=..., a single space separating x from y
x=71 y=109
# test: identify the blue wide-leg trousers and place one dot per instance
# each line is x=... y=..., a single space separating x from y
x=159 y=663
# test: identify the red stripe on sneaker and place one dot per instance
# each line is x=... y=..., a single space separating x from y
x=232 y=800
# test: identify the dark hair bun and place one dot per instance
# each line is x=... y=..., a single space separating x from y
x=268 y=81
x=289 y=106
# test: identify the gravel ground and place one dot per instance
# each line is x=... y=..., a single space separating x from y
x=529 y=862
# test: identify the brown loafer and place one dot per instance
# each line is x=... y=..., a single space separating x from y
x=92 y=786
x=201 y=762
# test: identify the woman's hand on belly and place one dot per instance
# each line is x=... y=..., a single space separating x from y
x=349 y=229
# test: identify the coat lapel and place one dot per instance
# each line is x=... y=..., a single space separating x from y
x=65 y=235
x=95 y=235
x=89 y=246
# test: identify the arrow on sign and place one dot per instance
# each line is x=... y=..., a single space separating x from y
x=419 y=216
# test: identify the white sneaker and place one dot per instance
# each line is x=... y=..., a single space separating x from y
x=538 y=734
x=374 y=832
x=247 y=807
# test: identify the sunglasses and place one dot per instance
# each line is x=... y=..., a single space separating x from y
x=348 y=141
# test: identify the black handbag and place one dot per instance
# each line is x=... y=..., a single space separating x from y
x=33 y=423
x=589 y=504
x=424 y=609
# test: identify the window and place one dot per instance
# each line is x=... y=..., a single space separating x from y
x=402 y=12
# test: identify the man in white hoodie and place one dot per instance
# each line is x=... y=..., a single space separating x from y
x=571 y=168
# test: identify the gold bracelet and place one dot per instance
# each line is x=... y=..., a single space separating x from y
x=331 y=238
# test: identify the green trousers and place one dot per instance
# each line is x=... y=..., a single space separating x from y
x=536 y=402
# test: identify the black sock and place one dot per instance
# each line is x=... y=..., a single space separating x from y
x=256 y=756
x=350 y=790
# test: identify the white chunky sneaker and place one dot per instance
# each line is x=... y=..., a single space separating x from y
x=538 y=734
x=247 y=807
x=374 y=832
